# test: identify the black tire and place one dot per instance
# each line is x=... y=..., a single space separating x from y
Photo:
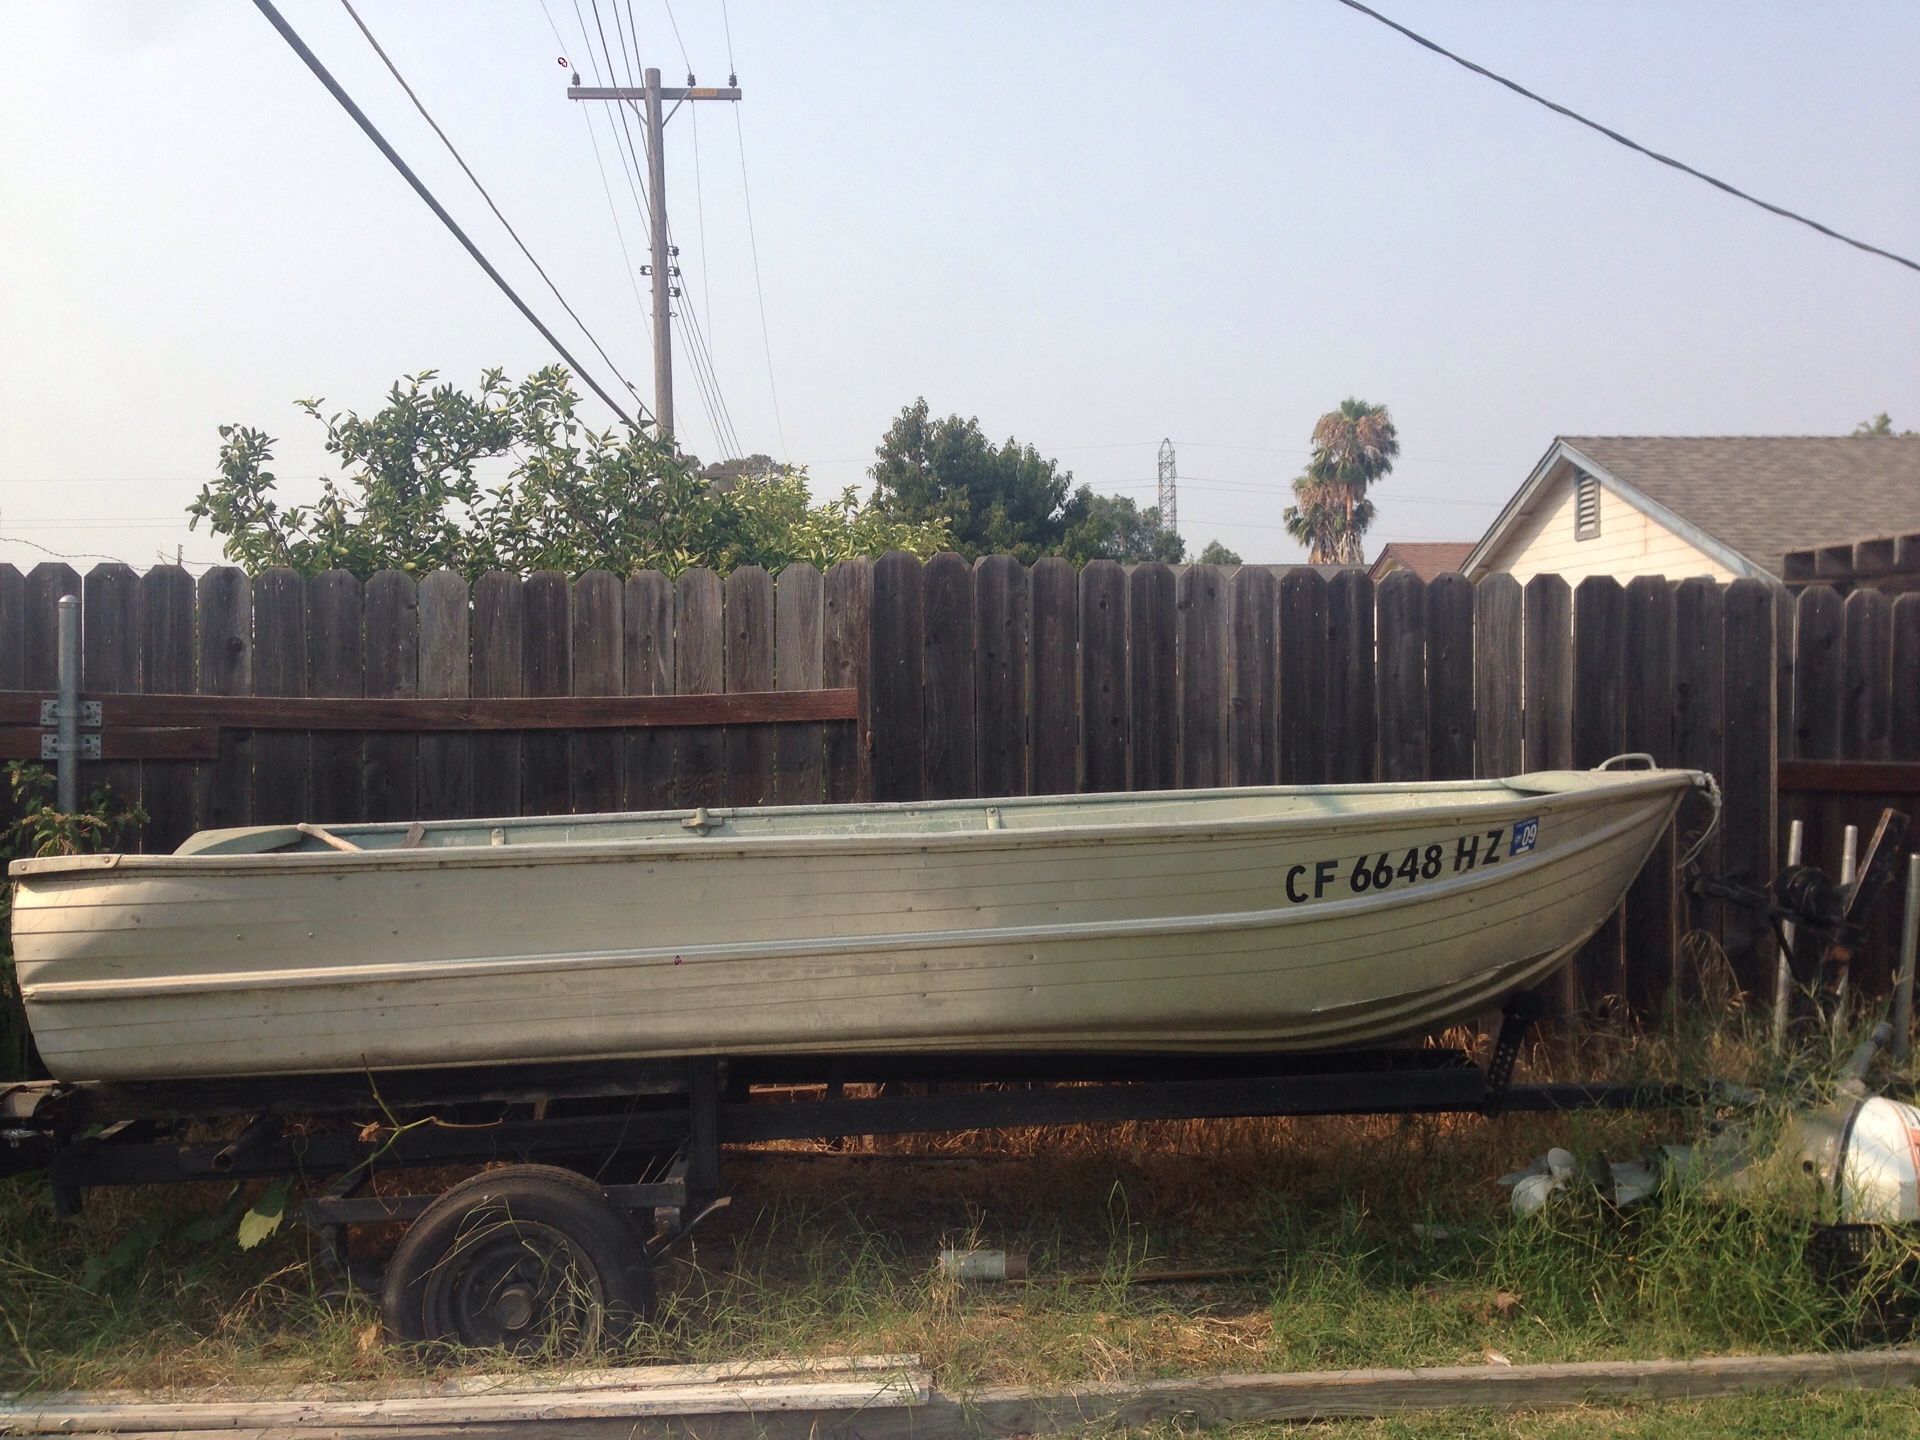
x=530 y=1259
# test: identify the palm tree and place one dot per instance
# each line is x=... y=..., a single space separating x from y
x=1352 y=447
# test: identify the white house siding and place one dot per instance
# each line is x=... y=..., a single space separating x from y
x=1630 y=542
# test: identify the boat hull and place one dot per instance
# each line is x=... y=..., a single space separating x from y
x=1331 y=925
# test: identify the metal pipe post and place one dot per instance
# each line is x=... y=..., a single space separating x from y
x=1903 y=982
x=67 y=717
x=1783 y=972
x=662 y=259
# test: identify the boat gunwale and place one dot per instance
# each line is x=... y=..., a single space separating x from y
x=1598 y=784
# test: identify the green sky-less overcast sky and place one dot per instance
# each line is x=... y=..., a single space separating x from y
x=1090 y=225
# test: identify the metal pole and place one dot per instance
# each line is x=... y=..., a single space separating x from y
x=657 y=209
x=1783 y=972
x=1903 y=982
x=67 y=719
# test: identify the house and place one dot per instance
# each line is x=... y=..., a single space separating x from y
x=1721 y=506
x=1424 y=558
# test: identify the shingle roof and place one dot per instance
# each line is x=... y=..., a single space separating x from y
x=1426 y=558
x=1764 y=495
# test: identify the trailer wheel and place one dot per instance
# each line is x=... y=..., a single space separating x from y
x=527 y=1258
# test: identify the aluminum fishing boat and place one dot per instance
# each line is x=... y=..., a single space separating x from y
x=1306 y=917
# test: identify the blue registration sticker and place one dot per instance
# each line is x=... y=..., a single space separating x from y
x=1525 y=832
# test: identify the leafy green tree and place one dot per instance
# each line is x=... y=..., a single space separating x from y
x=1218 y=554
x=410 y=496
x=1005 y=499
x=1113 y=527
x=1353 y=447
x=1881 y=424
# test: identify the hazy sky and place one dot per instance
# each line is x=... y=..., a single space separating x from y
x=1092 y=226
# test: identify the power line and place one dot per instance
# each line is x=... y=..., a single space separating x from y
x=299 y=46
x=753 y=242
x=460 y=160
x=676 y=35
x=1618 y=138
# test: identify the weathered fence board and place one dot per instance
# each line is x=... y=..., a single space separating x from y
x=1350 y=681
x=498 y=610
x=1748 y=819
x=1647 y=924
x=110 y=640
x=280 y=668
x=1201 y=592
x=1152 y=677
x=546 y=670
x=1498 y=745
x=748 y=607
x=224 y=598
x=597 y=758
x=1302 y=728
x=166 y=664
x=1699 y=715
x=1401 y=600
x=1055 y=684
x=949 y=755
x=392 y=672
x=1253 y=689
x=846 y=663
x=446 y=641
x=799 y=618
x=1599 y=644
x=1103 y=676
x=897 y=680
x=699 y=668
x=1450 y=717
x=1000 y=675
x=647 y=668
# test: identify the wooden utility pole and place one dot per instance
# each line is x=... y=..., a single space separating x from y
x=648 y=99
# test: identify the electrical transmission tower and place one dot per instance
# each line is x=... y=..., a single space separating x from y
x=648 y=99
x=1169 y=501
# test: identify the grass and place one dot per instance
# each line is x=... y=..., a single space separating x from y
x=1360 y=1242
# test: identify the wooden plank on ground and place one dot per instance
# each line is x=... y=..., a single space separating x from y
x=747 y=594
x=846 y=661
x=1450 y=717
x=1202 y=604
x=597 y=758
x=224 y=599
x=1000 y=603
x=1351 y=727
x=1400 y=601
x=948 y=754
x=336 y=668
x=498 y=638
x=446 y=647
x=799 y=615
x=699 y=668
x=647 y=668
x=1498 y=695
x=1055 y=681
x=110 y=660
x=279 y=668
x=1699 y=726
x=1253 y=669
x=1103 y=676
x=546 y=670
x=1649 y=939
x=1599 y=733
x=1153 y=725
x=166 y=663
x=1303 y=727
x=1748 y=819
x=392 y=610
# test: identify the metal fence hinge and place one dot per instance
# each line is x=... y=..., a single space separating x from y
x=89 y=747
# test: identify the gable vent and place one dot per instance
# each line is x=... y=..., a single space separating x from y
x=1586 y=507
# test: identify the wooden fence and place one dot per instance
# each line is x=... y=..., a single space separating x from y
x=980 y=680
